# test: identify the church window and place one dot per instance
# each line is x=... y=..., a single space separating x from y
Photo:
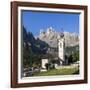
x=60 y=44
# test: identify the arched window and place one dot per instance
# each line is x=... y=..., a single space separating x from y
x=61 y=45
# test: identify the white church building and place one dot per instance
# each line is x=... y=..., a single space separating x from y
x=61 y=52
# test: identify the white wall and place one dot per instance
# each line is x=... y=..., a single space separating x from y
x=5 y=46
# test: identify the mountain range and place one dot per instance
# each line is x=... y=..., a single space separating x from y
x=50 y=36
x=47 y=40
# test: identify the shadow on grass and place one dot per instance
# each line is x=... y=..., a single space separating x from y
x=76 y=72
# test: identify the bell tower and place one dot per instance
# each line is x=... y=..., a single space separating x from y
x=61 y=49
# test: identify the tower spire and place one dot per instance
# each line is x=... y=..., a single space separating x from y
x=61 y=47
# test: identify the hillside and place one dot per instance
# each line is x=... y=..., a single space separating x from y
x=71 y=49
x=37 y=46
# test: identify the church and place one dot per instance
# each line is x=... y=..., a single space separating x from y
x=58 y=54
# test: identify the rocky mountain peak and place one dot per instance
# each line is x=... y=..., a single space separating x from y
x=50 y=36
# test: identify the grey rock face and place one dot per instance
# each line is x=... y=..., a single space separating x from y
x=50 y=36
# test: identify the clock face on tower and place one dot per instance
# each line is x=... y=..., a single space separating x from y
x=62 y=35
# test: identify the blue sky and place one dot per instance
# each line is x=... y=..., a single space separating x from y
x=34 y=21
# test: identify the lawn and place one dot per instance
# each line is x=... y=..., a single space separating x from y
x=62 y=71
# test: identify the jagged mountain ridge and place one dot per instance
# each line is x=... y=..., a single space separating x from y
x=50 y=36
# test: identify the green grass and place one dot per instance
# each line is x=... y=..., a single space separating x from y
x=62 y=71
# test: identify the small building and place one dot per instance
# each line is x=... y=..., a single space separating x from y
x=44 y=61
